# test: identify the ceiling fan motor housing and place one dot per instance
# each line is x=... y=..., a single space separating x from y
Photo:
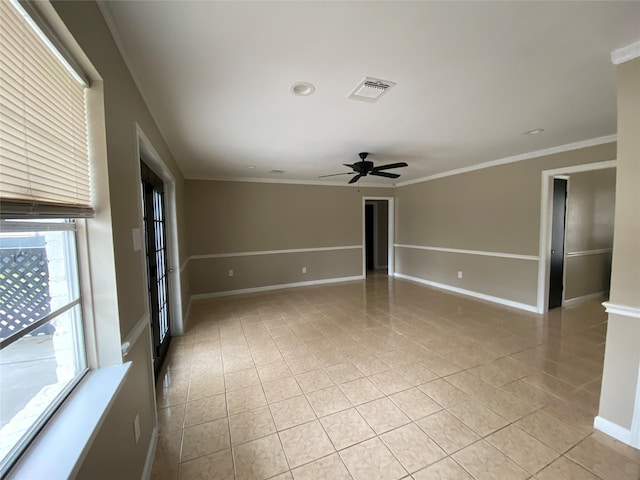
x=363 y=167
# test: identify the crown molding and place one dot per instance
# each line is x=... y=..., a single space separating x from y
x=283 y=181
x=517 y=158
x=625 y=54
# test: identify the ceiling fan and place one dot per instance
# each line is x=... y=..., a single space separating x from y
x=365 y=167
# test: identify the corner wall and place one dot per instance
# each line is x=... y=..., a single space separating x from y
x=619 y=411
x=484 y=223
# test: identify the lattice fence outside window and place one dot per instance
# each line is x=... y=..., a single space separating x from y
x=24 y=285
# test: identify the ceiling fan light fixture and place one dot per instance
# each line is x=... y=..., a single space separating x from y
x=302 y=89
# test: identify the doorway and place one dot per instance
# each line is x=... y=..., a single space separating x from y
x=377 y=236
x=546 y=226
x=153 y=215
x=369 y=226
x=558 y=228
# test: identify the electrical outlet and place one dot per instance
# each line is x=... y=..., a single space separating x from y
x=304 y=269
x=136 y=427
x=231 y=273
x=459 y=273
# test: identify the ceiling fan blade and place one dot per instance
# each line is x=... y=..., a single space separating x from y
x=390 y=165
x=335 y=174
x=347 y=165
x=356 y=178
x=385 y=174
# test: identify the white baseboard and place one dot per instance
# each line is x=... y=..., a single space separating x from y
x=151 y=455
x=267 y=288
x=612 y=429
x=584 y=298
x=471 y=293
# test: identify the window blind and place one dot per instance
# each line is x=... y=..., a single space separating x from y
x=44 y=159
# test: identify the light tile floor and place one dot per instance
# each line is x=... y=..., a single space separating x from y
x=384 y=379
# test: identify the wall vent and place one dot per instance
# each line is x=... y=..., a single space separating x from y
x=370 y=89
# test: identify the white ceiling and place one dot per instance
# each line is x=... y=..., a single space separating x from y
x=471 y=78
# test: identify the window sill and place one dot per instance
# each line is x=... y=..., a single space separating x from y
x=57 y=451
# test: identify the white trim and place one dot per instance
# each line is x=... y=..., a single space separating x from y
x=151 y=453
x=623 y=310
x=584 y=298
x=469 y=252
x=583 y=253
x=516 y=158
x=147 y=153
x=565 y=240
x=612 y=429
x=546 y=203
x=635 y=420
x=290 y=182
x=271 y=252
x=134 y=334
x=470 y=293
x=267 y=288
x=391 y=259
x=625 y=54
x=585 y=167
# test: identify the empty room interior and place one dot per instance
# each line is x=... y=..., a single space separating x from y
x=320 y=240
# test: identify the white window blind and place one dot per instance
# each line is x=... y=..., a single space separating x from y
x=44 y=161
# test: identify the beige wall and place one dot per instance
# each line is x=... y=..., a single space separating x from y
x=495 y=209
x=625 y=281
x=590 y=214
x=618 y=401
x=249 y=217
x=114 y=453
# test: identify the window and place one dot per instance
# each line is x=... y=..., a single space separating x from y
x=44 y=195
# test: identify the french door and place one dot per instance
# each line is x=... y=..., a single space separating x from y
x=157 y=272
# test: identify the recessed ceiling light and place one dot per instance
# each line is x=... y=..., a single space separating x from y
x=535 y=131
x=277 y=172
x=250 y=166
x=302 y=89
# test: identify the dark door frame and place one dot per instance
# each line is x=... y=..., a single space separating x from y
x=158 y=270
x=558 y=241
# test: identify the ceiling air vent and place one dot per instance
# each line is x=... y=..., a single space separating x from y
x=370 y=89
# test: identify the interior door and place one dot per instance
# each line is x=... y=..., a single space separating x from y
x=556 y=275
x=157 y=270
